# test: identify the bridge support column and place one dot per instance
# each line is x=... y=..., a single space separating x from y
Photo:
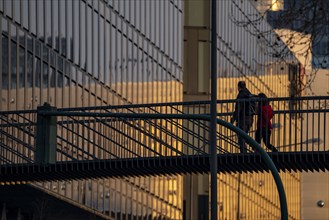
x=46 y=136
x=195 y=186
x=196 y=87
x=196 y=197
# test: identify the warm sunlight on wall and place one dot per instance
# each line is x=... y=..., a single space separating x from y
x=276 y=5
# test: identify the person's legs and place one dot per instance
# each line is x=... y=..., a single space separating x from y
x=241 y=142
x=249 y=121
x=266 y=138
x=258 y=135
x=244 y=125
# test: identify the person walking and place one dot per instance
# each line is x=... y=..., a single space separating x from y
x=242 y=114
x=264 y=124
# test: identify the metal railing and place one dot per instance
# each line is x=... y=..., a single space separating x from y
x=17 y=137
x=299 y=125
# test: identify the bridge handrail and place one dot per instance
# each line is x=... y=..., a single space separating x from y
x=304 y=98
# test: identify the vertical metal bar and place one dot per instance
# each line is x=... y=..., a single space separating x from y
x=313 y=124
x=94 y=124
x=1 y=57
x=319 y=123
x=324 y=127
x=307 y=126
x=213 y=111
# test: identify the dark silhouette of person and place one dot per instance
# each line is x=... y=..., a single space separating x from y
x=242 y=115
x=264 y=125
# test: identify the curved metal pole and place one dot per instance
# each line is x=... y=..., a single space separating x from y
x=269 y=163
x=244 y=135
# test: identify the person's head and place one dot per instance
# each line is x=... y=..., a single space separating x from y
x=241 y=85
x=264 y=100
x=262 y=95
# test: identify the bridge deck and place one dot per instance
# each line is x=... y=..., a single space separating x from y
x=227 y=163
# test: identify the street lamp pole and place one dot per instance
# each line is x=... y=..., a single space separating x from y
x=213 y=114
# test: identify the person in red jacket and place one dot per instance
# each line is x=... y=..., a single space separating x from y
x=264 y=125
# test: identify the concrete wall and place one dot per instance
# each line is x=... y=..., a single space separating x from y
x=314 y=188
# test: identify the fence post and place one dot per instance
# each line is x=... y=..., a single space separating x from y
x=46 y=136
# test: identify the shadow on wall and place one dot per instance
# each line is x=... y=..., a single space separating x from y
x=33 y=204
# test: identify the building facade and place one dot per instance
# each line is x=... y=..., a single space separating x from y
x=92 y=53
x=111 y=52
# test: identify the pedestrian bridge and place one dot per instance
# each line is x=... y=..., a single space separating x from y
x=154 y=139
